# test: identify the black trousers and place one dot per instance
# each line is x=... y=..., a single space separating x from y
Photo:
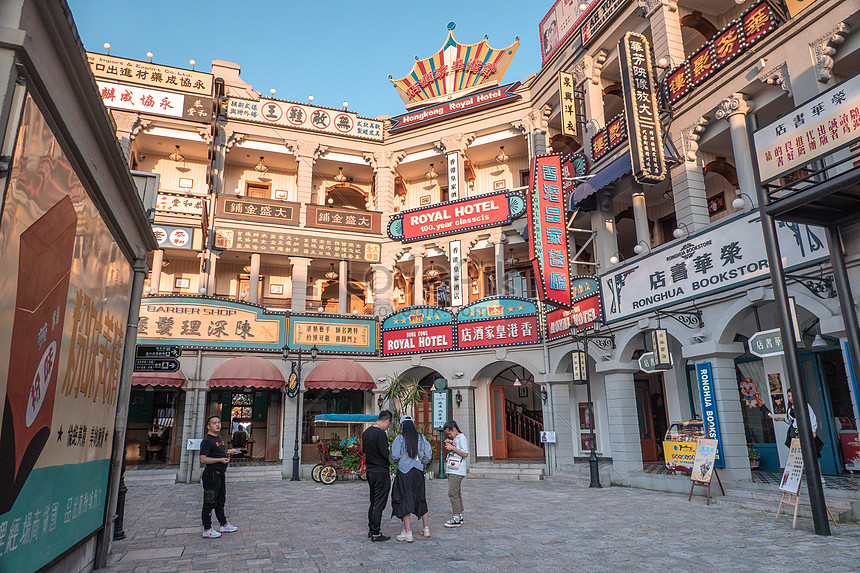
x=380 y=485
x=214 y=496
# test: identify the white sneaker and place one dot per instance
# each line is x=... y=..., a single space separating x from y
x=425 y=532
x=211 y=534
x=228 y=528
x=405 y=537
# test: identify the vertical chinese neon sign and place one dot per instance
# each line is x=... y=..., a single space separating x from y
x=548 y=244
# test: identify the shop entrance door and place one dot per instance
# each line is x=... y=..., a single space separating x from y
x=827 y=392
x=651 y=411
x=499 y=432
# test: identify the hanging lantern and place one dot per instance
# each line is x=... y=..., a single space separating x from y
x=660 y=344
x=578 y=365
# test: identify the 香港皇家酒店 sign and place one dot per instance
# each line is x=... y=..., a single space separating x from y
x=418 y=330
x=468 y=104
x=147 y=74
x=823 y=125
x=295 y=244
x=304 y=117
x=497 y=321
x=478 y=212
x=255 y=209
x=158 y=102
x=728 y=254
x=191 y=322
x=333 y=335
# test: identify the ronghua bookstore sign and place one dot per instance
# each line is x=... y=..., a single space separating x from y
x=727 y=255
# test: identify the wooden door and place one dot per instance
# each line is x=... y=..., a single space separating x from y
x=647 y=438
x=499 y=431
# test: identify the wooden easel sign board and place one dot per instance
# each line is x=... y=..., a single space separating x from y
x=703 y=464
x=791 y=477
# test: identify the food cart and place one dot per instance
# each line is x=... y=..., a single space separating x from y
x=679 y=445
x=332 y=457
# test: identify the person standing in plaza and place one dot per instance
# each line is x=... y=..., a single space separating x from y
x=214 y=458
x=791 y=420
x=412 y=452
x=374 y=442
x=455 y=466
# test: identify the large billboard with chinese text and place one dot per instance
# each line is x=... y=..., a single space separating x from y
x=197 y=323
x=452 y=217
x=149 y=75
x=548 y=230
x=158 y=102
x=497 y=322
x=728 y=254
x=304 y=117
x=333 y=334
x=65 y=290
x=418 y=330
x=255 y=209
x=295 y=245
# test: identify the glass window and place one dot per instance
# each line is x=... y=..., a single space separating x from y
x=520 y=282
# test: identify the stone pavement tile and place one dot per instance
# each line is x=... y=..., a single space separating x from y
x=155 y=553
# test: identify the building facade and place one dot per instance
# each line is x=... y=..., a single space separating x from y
x=401 y=245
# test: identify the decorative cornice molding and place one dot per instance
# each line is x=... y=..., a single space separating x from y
x=384 y=160
x=233 y=138
x=130 y=123
x=823 y=49
x=652 y=6
x=597 y=66
x=583 y=70
x=306 y=149
x=690 y=137
x=455 y=142
x=778 y=75
x=732 y=105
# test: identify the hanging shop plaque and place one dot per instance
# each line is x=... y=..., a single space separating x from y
x=173 y=237
x=766 y=343
x=453 y=160
x=304 y=117
x=418 y=330
x=205 y=323
x=821 y=126
x=610 y=137
x=256 y=209
x=548 y=241
x=456 y=273
x=454 y=68
x=149 y=75
x=497 y=321
x=726 y=255
x=640 y=101
x=179 y=204
x=710 y=415
x=294 y=244
x=158 y=102
x=601 y=13
x=478 y=212
x=333 y=335
x=568 y=108
x=344 y=219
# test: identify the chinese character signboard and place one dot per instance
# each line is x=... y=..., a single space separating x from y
x=343 y=219
x=727 y=255
x=294 y=244
x=456 y=273
x=174 y=237
x=468 y=104
x=609 y=137
x=497 y=321
x=640 y=100
x=192 y=322
x=601 y=13
x=677 y=84
x=548 y=241
x=710 y=415
x=333 y=335
x=159 y=102
x=304 y=117
x=65 y=292
x=453 y=176
x=418 y=330
x=454 y=68
x=149 y=75
x=254 y=209
x=824 y=124
x=179 y=204
x=766 y=343
x=477 y=212
x=568 y=108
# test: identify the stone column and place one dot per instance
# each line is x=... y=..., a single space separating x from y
x=640 y=217
x=128 y=125
x=735 y=109
x=306 y=153
x=665 y=29
x=500 y=267
x=559 y=386
x=342 y=294
x=464 y=414
x=300 y=283
x=210 y=280
x=624 y=437
x=253 y=287
x=456 y=143
x=603 y=221
x=383 y=164
x=418 y=278
x=383 y=283
x=157 y=264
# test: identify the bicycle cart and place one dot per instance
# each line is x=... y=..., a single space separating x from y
x=332 y=457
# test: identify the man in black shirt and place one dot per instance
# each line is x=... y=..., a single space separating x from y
x=376 y=451
x=213 y=456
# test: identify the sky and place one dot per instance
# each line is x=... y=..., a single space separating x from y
x=334 y=50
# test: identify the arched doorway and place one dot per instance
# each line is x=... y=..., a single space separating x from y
x=423 y=411
x=355 y=296
x=516 y=417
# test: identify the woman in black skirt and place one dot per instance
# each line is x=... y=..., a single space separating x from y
x=412 y=452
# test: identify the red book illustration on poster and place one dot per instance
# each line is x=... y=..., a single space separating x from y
x=44 y=268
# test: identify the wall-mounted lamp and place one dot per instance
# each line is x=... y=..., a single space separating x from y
x=543 y=394
x=431 y=173
x=517 y=382
x=616 y=258
x=458 y=375
x=502 y=157
x=150 y=55
x=511 y=260
x=641 y=247
x=107 y=48
x=458 y=398
x=331 y=274
x=592 y=124
x=739 y=202
x=176 y=156
x=321 y=309
x=261 y=167
x=379 y=401
x=340 y=177
x=665 y=62
x=681 y=232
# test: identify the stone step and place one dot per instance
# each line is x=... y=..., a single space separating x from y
x=254 y=474
x=505 y=477
x=150 y=477
x=522 y=466
x=840 y=511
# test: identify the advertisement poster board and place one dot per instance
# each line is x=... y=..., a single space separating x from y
x=793 y=474
x=65 y=288
x=703 y=464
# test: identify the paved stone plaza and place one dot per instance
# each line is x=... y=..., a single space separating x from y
x=525 y=526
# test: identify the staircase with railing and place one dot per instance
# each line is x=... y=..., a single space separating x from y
x=523 y=423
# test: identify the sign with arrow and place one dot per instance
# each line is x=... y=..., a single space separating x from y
x=157 y=351
x=156 y=365
x=766 y=343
